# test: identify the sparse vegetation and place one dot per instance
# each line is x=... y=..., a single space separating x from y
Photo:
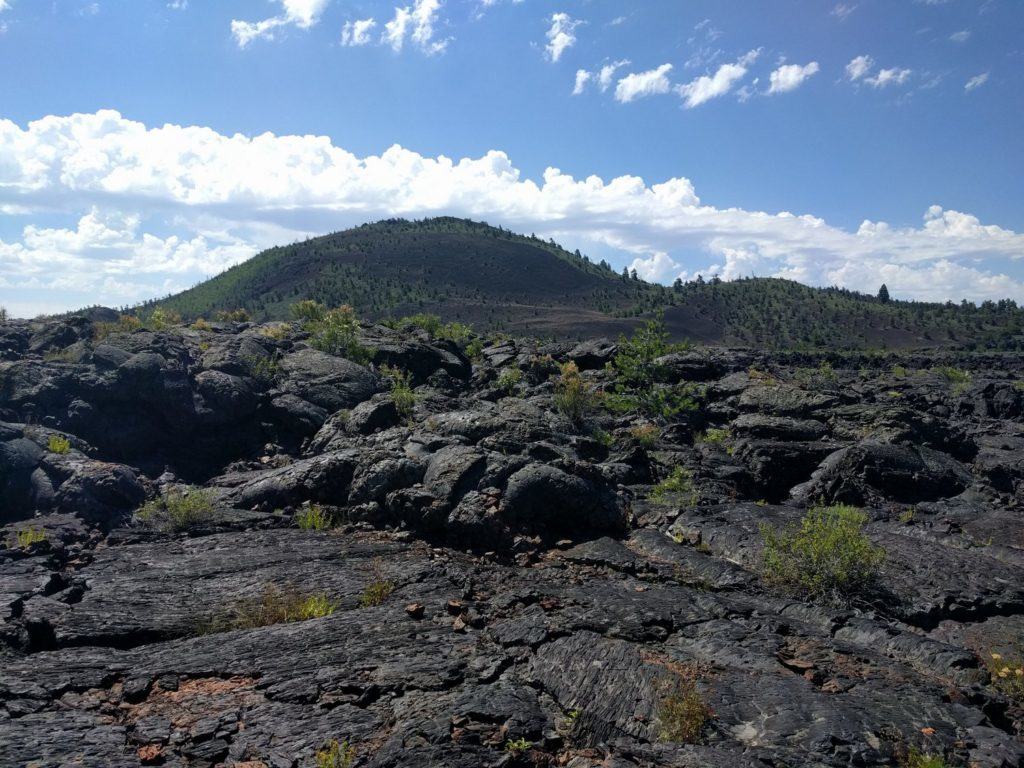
x=509 y=379
x=517 y=746
x=3 y=314
x=264 y=370
x=822 y=377
x=274 y=331
x=573 y=398
x=161 y=319
x=314 y=518
x=337 y=754
x=335 y=331
x=915 y=758
x=639 y=375
x=402 y=393
x=272 y=606
x=124 y=324
x=957 y=379
x=1007 y=674
x=201 y=325
x=678 y=487
x=23 y=538
x=682 y=711
x=238 y=315
x=177 y=510
x=58 y=444
x=645 y=435
x=713 y=435
x=825 y=555
x=378 y=589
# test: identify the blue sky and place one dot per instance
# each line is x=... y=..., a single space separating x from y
x=146 y=144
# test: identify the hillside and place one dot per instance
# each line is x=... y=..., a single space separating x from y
x=494 y=279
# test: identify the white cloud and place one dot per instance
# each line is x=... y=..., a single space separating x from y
x=582 y=78
x=177 y=5
x=639 y=84
x=885 y=77
x=299 y=13
x=976 y=82
x=961 y=37
x=842 y=10
x=707 y=87
x=859 y=67
x=791 y=76
x=148 y=210
x=417 y=24
x=604 y=77
x=561 y=35
x=4 y=5
x=357 y=32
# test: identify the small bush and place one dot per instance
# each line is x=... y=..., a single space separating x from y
x=58 y=444
x=314 y=518
x=239 y=315
x=509 y=379
x=308 y=311
x=573 y=398
x=678 y=486
x=915 y=758
x=378 y=589
x=638 y=375
x=275 y=331
x=826 y=554
x=645 y=435
x=958 y=380
x=26 y=537
x=273 y=606
x=161 y=319
x=1007 y=674
x=124 y=324
x=264 y=370
x=177 y=511
x=475 y=349
x=713 y=435
x=201 y=325
x=682 y=711
x=335 y=755
x=517 y=746
x=58 y=356
x=899 y=372
x=3 y=314
x=401 y=389
x=337 y=333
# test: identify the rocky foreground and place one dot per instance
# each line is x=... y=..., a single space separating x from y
x=483 y=580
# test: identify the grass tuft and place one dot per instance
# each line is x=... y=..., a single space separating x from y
x=176 y=510
x=58 y=444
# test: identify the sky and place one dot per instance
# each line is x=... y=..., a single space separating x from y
x=146 y=145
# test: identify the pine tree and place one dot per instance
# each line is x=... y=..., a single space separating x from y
x=883 y=294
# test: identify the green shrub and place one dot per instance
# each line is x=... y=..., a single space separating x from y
x=161 y=319
x=638 y=375
x=915 y=758
x=26 y=537
x=308 y=311
x=314 y=518
x=272 y=606
x=58 y=444
x=957 y=379
x=378 y=589
x=714 y=435
x=645 y=435
x=337 y=333
x=603 y=437
x=682 y=711
x=124 y=324
x=677 y=487
x=335 y=755
x=201 y=325
x=826 y=554
x=509 y=379
x=264 y=370
x=401 y=389
x=475 y=349
x=1007 y=675
x=573 y=398
x=899 y=372
x=239 y=315
x=517 y=746
x=177 y=511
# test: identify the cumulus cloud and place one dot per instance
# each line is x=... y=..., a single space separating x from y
x=976 y=82
x=885 y=77
x=791 y=76
x=859 y=67
x=300 y=13
x=149 y=210
x=639 y=84
x=707 y=87
x=355 y=33
x=582 y=78
x=415 y=23
x=561 y=35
